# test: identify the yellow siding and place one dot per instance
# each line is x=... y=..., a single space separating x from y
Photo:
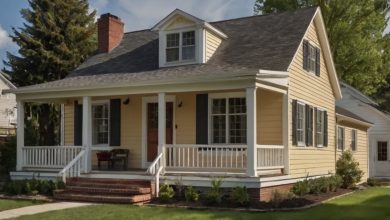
x=212 y=43
x=361 y=153
x=69 y=123
x=316 y=91
x=269 y=117
x=186 y=118
x=179 y=22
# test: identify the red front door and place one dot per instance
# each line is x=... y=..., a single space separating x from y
x=152 y=128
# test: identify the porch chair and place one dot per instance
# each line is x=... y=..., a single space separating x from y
x=119 y=155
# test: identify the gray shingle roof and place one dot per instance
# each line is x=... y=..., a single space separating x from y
x=345 y=112
x=257 y=42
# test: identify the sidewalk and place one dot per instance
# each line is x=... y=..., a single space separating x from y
x=35 y=209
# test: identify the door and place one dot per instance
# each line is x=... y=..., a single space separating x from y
x=382 y=159
x=152 y=128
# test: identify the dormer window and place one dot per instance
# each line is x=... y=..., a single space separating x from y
x=180 y=46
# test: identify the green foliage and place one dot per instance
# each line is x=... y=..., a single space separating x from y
x=191 y=194
x=214 y=196
x=240 y=196
x=355 y=30
x=31 y=187
x=8 y=155
x=335 y=182
x=166 y=193
x=301 y=188
x=348 y=169
x=317 y=185
x=373 y=182
x=179 y=188
x=277 y=197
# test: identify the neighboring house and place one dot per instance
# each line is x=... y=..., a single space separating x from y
x=7 y=107
x=251 y=99
x=379 y=133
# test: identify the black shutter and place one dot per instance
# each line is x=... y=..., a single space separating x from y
x=115 y=122
x=78 y=124
x=325 y=128
x=315 y=125
x=294 y=122
x=305 y=54
x=202 y=101
x=309 y=125
x=318 y=61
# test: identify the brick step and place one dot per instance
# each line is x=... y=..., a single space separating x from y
x=134 y=190
x=110 y=181
x=107 y=185
x=135 y=199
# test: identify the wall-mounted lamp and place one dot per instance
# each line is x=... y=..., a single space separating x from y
x=127 y=101
x=180 y=104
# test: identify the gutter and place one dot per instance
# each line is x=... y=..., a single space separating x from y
x=353 y=120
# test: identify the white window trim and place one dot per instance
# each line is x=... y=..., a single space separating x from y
x=302 y=143
x=323 y=127
x=337 y=138
x=180 y=32
x=221 y=96
x=356 y=139
x=99 y=102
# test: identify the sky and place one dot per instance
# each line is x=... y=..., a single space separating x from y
x=136 y=14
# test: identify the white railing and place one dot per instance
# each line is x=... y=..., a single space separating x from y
x=73 y=169
x=155 y=169
x=49 y=156
x=227 y=158
x=270 y=157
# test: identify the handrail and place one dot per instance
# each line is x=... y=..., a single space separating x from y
x=155 y=169
x=73 y=167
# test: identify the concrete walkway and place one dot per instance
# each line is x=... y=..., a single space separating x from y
x=35 y=209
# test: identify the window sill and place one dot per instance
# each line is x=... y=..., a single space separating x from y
x=179 y=63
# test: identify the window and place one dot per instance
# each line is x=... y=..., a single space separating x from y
x=340 y=138
x=382 y=151
x=311 y=58
x=180 y=46
x=320 y=128
x=353 y=140
x=100 y=124
x=301 y=124
x=228 y=120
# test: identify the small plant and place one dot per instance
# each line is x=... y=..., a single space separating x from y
x=335 y=182
x=240 y=196
x=348 y=168
x=323 y=184
x=314 y=186
x=301 y=188
x=191 y=194
x=214 y=196
x=60 y=184
x=373 y=182
x=278 y=197
x=179 y=188
x=166 y=193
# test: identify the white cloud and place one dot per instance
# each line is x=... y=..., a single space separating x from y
x=5 y=40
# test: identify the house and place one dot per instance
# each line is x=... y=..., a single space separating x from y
x=378 y=134
x=251 y=99
x=7 y=108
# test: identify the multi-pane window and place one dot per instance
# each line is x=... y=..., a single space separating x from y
x=311 y=58
x=353 y=140
x=382 y=151
x=320 y=128
x=100 y=123
x=228 y=120
x=311 y=65
x=180 y=46
x=301 y=124
x=340 y=138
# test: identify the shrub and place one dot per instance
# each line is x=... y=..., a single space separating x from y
x=179 y=188
x=166 y=193
x=334 y=182
x=214 y=196
x=314 y=186
x=191 y=194
x=323 y=184
x=240 y=196
x=373 y=182
x=348 y=168
x=278 y=197
x=31 y=187
x=301 y=188
x=8 y=155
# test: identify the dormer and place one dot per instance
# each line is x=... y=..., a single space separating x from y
x=186 y=39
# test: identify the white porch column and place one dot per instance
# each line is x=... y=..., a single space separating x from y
x=251 y=169
x=161 y=122
x=285 y=134
x=87 y=132
x=19 y=135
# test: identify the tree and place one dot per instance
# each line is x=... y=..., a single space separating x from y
x=355 y=30
x=57 y=36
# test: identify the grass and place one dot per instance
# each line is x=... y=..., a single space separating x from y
x=373 y=203
x=6 y=204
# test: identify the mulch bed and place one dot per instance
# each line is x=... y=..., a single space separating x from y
x=306 y=201
x=41 y=198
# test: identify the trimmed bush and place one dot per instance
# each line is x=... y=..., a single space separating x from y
x=31 y=187
x=348 y=168
x=301 y=188
x=240 y=196
x=335 y=182
x=214 y=196
x=191 y=194
x=278 y=197
x=373 y=182
x=166 y=193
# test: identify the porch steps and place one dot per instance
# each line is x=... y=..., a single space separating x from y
x=106 y=191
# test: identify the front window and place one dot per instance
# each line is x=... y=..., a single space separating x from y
x=382 y=151
x=340 y=138
x=320 y=128
x=100 y=124
x=312 y=58
x=180 y=46
x=353 y=140
x=228 y=120
x=301 y=124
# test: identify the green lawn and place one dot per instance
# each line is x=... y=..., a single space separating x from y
x=373 y=203
x=6 y=204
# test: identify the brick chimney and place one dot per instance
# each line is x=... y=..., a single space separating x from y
x=110 y=32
